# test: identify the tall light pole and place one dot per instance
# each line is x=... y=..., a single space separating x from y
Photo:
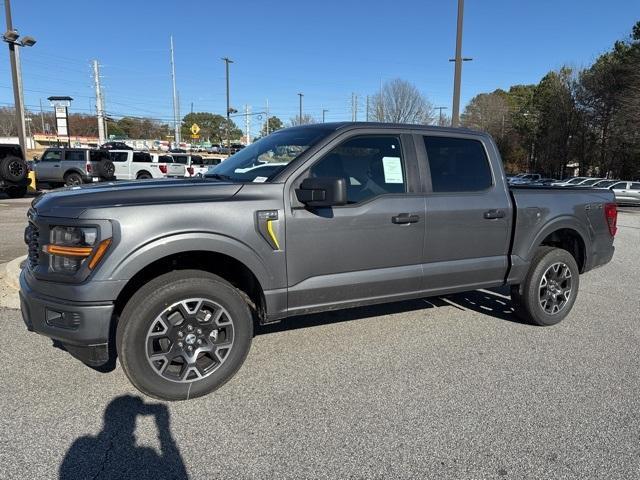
x=324 y=110
x=227 y=61
x=176 y=121
x=11 y=38
x=455 y=113
x=440 y=114
x=300 y=114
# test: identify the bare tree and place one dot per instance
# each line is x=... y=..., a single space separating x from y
x=399 y=101
x=305 y=120
x=8 y=126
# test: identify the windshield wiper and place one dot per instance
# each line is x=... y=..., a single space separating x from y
x=218 y=176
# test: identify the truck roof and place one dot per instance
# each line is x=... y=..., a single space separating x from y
x=412 y=126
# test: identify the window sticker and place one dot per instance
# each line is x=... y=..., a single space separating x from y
x=392 y=170
x=260 y=179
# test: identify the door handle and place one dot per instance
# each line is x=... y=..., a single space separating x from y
x=58 y=166
x=405 y=218
x=492 y=214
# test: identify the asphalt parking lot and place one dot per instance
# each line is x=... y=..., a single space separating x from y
x=449 y=387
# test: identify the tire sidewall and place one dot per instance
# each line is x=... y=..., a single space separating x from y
x=5 y=165
x=71 y=175
x=135 y=322
x=531 y=293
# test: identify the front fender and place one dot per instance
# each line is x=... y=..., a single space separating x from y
x=162 y=247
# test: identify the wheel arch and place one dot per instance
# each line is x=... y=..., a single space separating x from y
x=567 y=234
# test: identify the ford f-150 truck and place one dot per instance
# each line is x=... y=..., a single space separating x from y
x=171 y=275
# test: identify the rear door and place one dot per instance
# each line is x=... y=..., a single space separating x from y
x=369 y=249
x=468 y=213
x=122 y=164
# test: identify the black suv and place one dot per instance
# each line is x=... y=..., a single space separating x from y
x=13 y=171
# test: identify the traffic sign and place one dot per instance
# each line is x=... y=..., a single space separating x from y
x=195 y=129
x=195 y=136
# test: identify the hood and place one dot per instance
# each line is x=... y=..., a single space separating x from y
x=71 y=202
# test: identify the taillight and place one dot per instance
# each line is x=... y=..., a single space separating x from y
x=611 y=214
x=190 y=170
x=88 y=168
x=163 y=168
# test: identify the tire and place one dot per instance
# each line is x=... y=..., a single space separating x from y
x=13 y=168
x=143 y=176
x=106 y=169
x=170 y=314
x=72 y=179
x=16 y=192
x=550 y=287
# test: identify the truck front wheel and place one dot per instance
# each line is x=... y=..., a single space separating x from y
x=183 y=335
x=550 y=288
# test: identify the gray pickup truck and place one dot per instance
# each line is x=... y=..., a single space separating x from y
x=170 y=275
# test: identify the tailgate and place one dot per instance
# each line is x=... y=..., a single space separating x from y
x=175 y=170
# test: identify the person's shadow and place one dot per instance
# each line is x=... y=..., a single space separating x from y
x=113 y=453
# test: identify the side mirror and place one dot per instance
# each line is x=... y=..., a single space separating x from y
x=322 y=192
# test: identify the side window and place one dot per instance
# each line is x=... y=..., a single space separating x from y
x=371 y=166
x=457 y=164
x=619 y=186
x=183 y=159
x=141 y=157
x=51 y=156
x=165 y=159
x=74 y=156
x=118 y=156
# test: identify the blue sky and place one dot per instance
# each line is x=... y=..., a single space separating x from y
x=327 y=50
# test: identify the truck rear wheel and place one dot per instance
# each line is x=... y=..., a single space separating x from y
x=73 y=179
x=550 y=288
x=183 y=335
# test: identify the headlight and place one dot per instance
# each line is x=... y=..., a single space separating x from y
x=70 y=247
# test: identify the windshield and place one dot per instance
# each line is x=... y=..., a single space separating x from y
x=261 y=160
x=575 y=180
x=589 y=182
x=605 y=183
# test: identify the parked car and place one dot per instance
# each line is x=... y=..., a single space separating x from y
x=174 y=272
x=74 y=166
x=604 y=183
x=545 y=182
x=115 y=146
x=134 y=165
x=195 y=165
x=525 y=178
x=13 y=171
x=589 y=182
x=569 y=181
x=627 y=193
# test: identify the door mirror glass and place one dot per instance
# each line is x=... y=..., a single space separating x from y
x=322 y=192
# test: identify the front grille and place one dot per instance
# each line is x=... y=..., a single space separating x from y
x=32 y=239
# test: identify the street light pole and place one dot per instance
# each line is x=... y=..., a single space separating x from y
x=300 y=115
x=227 y=61
x=14 y=58
x=324 y=110
x=455 y=113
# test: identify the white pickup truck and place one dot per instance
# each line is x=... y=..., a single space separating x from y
x=132 y=165
x=195 y=164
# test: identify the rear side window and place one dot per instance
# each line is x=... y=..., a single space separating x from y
x=619 y=186
x=118 y=156
x=165 y=159
x=74 y=156
x=141 y=157
x=635 y=186
x=457 y=164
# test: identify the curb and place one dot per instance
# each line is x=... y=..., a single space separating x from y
x=12 y=272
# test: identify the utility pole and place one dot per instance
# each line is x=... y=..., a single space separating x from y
x=324 y=110
x=440 y=114
x=16 y=77
x=227 y=61
x=381 y=106
x=42 y=115
x=354 y=107
x=191 y=107
x=267 y=124
x=300 y=114
x=455 y=112
x=176 y=126
x=367 y=107
x=99 y=104
x=247 y=124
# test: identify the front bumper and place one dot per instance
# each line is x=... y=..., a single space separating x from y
x=82 y=327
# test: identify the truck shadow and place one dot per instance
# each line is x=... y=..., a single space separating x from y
x=114 y=453
x=494 y=302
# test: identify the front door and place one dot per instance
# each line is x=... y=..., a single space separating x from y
x=48 y=168
x=369 y=249
x=468 y=215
